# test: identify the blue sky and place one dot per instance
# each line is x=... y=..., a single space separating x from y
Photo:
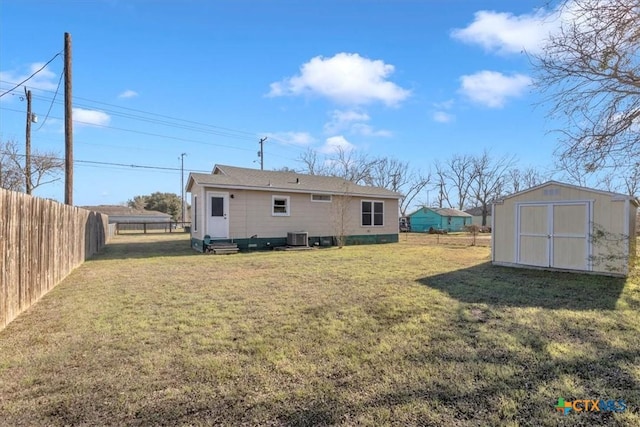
x=417 y=80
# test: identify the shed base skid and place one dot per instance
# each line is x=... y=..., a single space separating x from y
x=559 y=270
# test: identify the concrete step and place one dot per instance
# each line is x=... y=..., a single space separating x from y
x=220 y=248
x=222 y=251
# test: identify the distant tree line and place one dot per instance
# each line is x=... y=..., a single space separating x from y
x=169 y=203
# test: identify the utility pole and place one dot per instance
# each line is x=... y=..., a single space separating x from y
x=68 y=123
x=27 y=150
x=261 y=152
x=182 y=184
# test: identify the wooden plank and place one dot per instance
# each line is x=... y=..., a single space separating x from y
x=3 y=250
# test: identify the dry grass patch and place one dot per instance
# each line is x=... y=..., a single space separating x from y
x=151 y=333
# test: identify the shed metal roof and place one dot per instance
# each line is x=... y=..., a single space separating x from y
x=614 y=196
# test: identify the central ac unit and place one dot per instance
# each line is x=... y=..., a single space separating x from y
x=299 y=238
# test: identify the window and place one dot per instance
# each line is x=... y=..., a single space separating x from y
x=195 y=213
x=372 y=214
x=321 y=197
x=217 y=206
x=280 y=206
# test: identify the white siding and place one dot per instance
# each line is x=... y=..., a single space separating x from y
x=250 y=214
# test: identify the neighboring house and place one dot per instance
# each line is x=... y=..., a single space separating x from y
x=449 y=219
x=565 y=227
x=476 y=215
x=257 y=209
x=126 y=215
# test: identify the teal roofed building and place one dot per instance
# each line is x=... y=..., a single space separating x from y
x=425 y=219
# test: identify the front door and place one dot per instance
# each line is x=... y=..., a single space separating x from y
x=217 y=215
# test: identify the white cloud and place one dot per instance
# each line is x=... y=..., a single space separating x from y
x=492 y=88
x=443 y=117
x=335 y=144
x=292 y=138
x=82 y=116
x=128 y=94
x=352 y=121
x=445 y=105
x=366 y=130
x=345 y=78
x=507 y=33
x=45 y=79
x=341 y=120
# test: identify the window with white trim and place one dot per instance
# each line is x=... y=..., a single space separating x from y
x=280 y=206
x=372 y=213
x=321 y=197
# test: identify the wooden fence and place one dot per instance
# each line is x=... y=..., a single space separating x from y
x=41 y=242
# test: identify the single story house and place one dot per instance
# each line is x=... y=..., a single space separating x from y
x=565 y=227
x=476 y=215
x=258 y=209
x=426 y=219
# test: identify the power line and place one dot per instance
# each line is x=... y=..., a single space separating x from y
x=249 y=135
x=97 y=163
x=31 y=76
x=176 y=138
x=174 y=123
x=52 y=101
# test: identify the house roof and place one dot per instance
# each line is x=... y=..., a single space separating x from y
x=232 y=177
x=444 y=212
x=614 y=196
x=115 y=210
x=477 y=211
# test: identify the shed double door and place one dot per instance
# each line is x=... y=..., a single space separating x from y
x=554 y=235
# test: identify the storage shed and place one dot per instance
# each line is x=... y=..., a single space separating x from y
x=565 y=227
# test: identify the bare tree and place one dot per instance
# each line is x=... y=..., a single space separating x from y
x=570 y=170
x=628 y=184
x=10 y=176
x=44 y=167
x=340 y=215
x=343 y=163
x=521 y=179
x=489 y=177
x=457 y=173
x=589 y=71
x=351 y=165
x=385 y=172
x=632 y=181
x=442 y=185
x=396 y=175
x=311 y=164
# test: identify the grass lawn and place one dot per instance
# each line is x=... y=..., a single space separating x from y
x=151 y=333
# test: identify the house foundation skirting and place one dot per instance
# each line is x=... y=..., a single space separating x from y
x=266 y=243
